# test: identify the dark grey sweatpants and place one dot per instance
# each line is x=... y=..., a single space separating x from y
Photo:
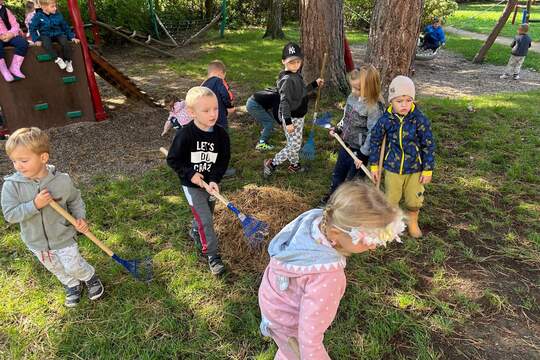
x=202 y=207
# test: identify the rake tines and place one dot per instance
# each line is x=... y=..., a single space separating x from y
x=308 y=150
x=141 y=269
x=254 y=230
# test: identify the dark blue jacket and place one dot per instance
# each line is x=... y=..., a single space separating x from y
x=436 y=34
x=49 y=25
x=224 y=98
x=521 y=44
x=410 y=147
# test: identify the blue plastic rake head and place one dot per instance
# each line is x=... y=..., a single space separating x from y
x=254 y=230
x=142 y=269
x=325 y=120
x=308 y=150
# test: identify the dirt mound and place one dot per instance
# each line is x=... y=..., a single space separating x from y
x=276 y=207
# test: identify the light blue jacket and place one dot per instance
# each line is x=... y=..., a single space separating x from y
x=296 y=244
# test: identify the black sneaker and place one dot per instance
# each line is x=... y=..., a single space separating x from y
x=293 y=169
x=95 y=288
x=196 y=237
x=268 y=168
x=216 y=265
x=73 y=295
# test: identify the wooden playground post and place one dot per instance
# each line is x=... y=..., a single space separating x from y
x=223 y=18
x=480 y=56
x=93 y=18
x=78 y=24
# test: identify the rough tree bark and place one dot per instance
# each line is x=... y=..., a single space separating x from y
x=273 y=20
x=480 y=56
x=393 y=33
x=321 y=30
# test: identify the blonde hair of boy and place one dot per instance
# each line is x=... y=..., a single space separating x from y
x=32 y=138
x=357 y=204
x=195 y=93
x=523 y=28
x=216 y=65
x=47 y=2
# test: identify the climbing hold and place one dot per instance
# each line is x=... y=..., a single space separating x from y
x=74 y=114
x=44 y=57
x=41 y=107
x=69 y=79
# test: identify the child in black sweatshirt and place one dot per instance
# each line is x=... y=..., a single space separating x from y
x=293 y=106
x=200 y=153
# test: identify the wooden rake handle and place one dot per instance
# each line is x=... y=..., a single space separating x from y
x=381 y=160
x=349 y=151
x=321 y=75
x=220 y=197
x=73 y=222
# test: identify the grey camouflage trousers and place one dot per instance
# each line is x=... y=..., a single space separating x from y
x=514 y=65
x=66 y=264
x=294 y=143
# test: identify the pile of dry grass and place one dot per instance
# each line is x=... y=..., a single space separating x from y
x=277 y=207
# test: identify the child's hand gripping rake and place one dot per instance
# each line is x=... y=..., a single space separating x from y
x=355 y=158
x=308 y=150
x=139 y=269
x=254 y=230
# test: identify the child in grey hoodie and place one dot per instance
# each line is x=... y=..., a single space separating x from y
x=293 y=106
x=25 y=196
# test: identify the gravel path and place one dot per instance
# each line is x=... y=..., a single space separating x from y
x=503 y=40
x=450 y=75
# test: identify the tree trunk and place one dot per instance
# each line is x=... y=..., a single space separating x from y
x=481 y=55
x=209 y=9
x=393 y=35
x=321 y=30
x=273 y=21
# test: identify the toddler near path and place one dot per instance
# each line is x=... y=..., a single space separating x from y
x=520 y=48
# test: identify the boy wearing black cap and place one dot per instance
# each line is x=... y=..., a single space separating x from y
x=293 y=104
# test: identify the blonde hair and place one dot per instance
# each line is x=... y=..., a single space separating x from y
x=357 y=204
x=216 y=65
x=32 y=138
x=523 y=28
x=195 y=93
x=47 y=2
x=370 y=84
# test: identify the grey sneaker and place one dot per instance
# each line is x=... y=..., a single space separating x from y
x=268 y=168
x=95 y=288
x=515 y=77
x=503 y=76
x=216 y=265
x=73 y=295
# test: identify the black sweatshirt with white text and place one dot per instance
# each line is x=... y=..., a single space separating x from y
x=197 y=151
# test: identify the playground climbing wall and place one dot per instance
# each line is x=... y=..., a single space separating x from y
x=48 y=97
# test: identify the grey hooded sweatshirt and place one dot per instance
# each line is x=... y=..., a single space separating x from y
x=43 y=229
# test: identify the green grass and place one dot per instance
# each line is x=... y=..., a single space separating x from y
x=251 y=60
x=481 y=210
x=474 y=17
x=498 y=54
